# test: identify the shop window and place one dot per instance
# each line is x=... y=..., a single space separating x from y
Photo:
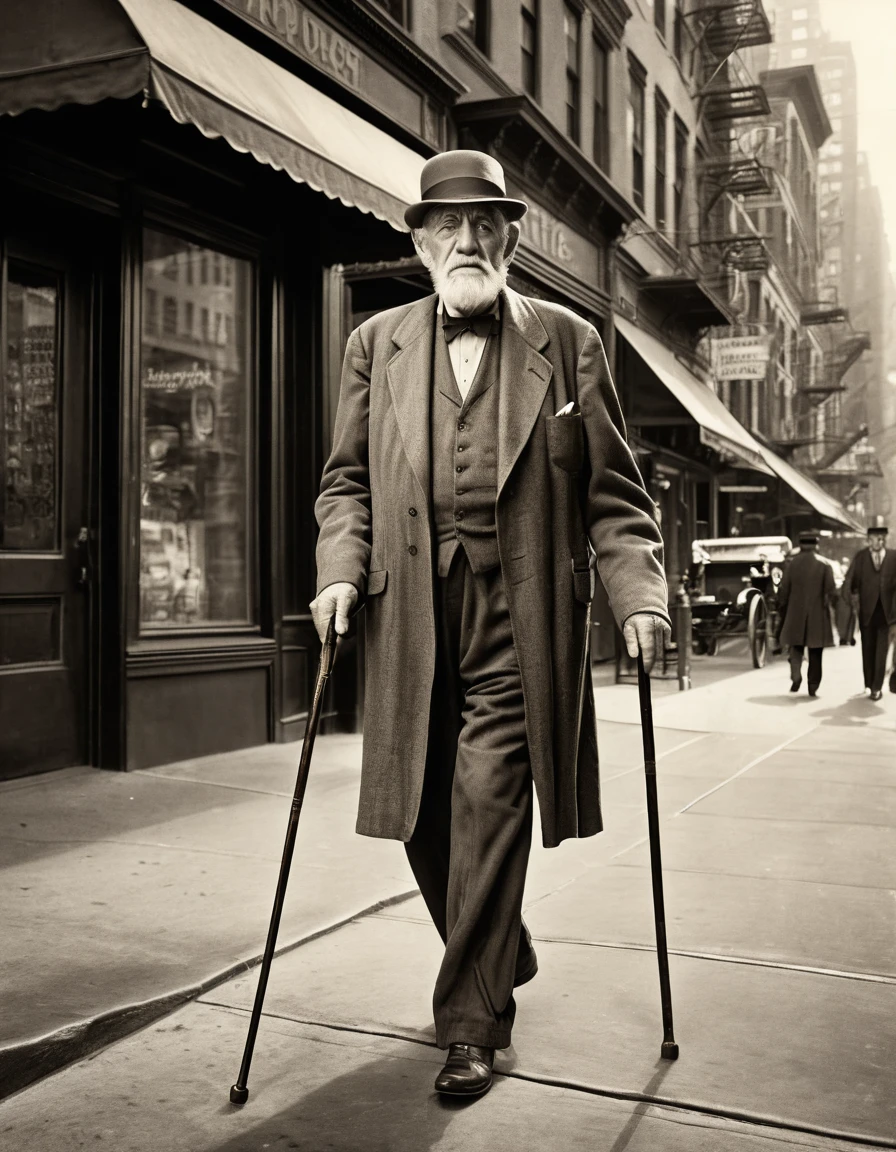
x=29 y=412
x=529 y=45
x=473 y=21
x=197 y=462
x=661 y=109
x=636 y=100
x=600 y=67
x=571 y=25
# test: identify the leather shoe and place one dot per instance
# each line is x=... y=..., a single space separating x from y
x=467 y=1071
x=876 y=695
x=795 y=685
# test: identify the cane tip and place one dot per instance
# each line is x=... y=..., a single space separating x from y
x=238 y=1095
x=669 y=1050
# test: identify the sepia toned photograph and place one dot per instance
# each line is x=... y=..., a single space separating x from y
x=447 y=575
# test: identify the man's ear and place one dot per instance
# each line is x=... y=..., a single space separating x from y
x=418 y=237
x=513 y=238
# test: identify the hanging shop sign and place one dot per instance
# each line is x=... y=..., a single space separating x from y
x=316 y=41
x=740 y=357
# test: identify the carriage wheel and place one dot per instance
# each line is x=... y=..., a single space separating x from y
x=757 y=630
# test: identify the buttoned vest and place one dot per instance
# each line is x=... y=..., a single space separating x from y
x=465 y=459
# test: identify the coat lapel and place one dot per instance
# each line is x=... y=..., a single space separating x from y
x=409 y=372
x=524 y=378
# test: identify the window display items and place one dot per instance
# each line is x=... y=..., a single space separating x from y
x=196 y=394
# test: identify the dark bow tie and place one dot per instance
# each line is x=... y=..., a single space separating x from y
x=483 y=325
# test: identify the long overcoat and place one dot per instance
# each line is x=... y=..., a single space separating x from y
x=569 y=491
x=805 y=598
x=863 y=579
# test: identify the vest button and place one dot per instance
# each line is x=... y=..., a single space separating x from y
x=458 y=515
x=461 y=425
x=413 y=550
x=460 y=448
x=459 y=468
x=412 y=511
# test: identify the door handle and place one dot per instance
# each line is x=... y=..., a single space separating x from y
x=82 y=547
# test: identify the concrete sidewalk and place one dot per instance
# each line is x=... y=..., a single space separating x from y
x=779 y=839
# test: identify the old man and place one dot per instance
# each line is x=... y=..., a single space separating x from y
x=479 y=469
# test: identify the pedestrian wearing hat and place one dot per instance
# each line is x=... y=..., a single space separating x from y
x=805 y=597
x=872 y=576
x=479 y=470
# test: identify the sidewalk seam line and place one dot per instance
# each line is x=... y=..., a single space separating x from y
x=757 y=1119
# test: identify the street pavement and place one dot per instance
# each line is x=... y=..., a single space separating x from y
x=779 y=845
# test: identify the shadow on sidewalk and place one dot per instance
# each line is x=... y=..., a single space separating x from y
x=388 y=1105
x=651 y=1088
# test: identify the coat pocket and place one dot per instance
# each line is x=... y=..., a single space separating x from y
x=376 y=582
x=566 y=446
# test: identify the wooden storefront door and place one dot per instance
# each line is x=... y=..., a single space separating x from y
x=44 y=482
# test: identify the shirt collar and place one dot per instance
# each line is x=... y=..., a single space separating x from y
x=495 y=309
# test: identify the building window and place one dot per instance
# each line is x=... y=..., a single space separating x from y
x=151 y=311
x=197 y=461
x=799 y=53
x=399 y=10
x=680 y=174
x=636 y=100
x=529 y=45
x=801 y=14
x=601 y=69
x=571 y=25
x=169 y=316
x=189 y=319
x=678 y=31
x=474 y=22
x=659 y=16
x=800 y=34
x=661 y=108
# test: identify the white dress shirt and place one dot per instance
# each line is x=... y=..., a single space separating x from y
x=465 y=353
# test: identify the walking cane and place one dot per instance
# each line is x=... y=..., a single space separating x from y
x=239 y=1093
x=669 y=1049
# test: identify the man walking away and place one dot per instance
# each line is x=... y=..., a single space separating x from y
x=872 y=576
x=805 y=597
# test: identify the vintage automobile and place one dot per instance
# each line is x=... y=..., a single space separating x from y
x=732 y=587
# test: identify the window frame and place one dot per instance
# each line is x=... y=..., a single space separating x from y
x=637 y=82
x=600 y=129
x=660 y=159
x=682 y=139
x=529 y=18
x=572 y=16
x=207 y=240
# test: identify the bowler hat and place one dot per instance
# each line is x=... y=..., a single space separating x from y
x=878 y=530
x=809 y=537
x=463 y=176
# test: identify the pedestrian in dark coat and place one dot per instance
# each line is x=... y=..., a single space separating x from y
x=872 y=577
x=805 y=598
x=479 y=470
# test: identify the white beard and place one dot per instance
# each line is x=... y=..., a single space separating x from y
x=466 y=291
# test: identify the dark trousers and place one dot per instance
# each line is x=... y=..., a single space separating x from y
x=470 y=846
x=796 y=665
x=875 y=636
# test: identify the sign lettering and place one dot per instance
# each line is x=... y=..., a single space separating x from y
x=740 y=357
x=306 y=35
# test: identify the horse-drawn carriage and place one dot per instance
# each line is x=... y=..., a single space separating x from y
x=733 y=587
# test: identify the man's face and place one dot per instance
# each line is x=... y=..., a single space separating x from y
x=467 y=252
x=878 y=542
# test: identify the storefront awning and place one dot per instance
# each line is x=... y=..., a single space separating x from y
x=807 y=490
x=55 y=53
x=718 y=428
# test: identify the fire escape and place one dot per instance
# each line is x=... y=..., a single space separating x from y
x=729 y=98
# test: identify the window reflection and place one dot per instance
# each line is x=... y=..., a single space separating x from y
x=29 y=414
x=196 y=392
